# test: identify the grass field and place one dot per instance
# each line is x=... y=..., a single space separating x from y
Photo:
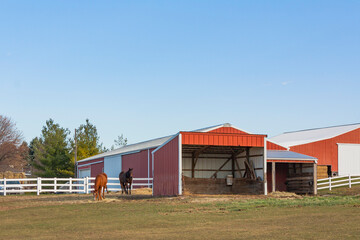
x=188 y=217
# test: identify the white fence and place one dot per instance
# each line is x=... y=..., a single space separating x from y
x=63 y=185
x=339 y=181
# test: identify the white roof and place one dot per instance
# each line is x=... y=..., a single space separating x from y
x=289 y=139
x=288 y=155
x=131 y=148
x=148 y=144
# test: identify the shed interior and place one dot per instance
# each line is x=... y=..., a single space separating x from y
x=291 y=177
x=206 y=169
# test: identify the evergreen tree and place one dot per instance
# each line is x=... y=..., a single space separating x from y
x=87 y=141
x=50 y=153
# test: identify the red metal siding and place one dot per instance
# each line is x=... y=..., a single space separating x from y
x=281 y=170
x=139 y=162
x=273 y=146
x=326 y=151
x=96 y=169
x=222 y=139
x=227 y=130
x=166 y=169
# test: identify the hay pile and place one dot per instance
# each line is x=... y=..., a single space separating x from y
x=284 y=195
x=142 y=191
x=10 y=175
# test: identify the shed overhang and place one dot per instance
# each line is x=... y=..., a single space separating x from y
x=289 y=157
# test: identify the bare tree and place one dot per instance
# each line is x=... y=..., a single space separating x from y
x=12 y=147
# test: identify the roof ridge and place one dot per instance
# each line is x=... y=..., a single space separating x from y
x=210 y=127
x=128 y=145
x=311 y=129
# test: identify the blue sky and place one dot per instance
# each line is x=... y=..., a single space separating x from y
x=151 y=68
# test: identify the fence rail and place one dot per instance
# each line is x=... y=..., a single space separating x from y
x=63 y=185
x=339 y=181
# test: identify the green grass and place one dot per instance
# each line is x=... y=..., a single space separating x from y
x=342 y=191
x=189 y=217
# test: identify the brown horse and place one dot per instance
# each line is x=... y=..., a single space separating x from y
x=126 y=181
x=100 y=184
x=107 y=191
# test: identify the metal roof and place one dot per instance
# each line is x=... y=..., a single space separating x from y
x=148 y=144
x=207 y=129
x=131 y=148
x=289 y=139
x=288 y=155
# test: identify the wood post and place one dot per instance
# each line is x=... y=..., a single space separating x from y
x=273 y=178
x=195 y=157
x=315 y=178
x=233 y=165
x=193 y=165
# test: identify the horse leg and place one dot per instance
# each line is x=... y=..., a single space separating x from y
x=100 y=188
x=104 y=192
x=130 y=188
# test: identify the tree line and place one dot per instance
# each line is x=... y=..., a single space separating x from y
x=52 y=154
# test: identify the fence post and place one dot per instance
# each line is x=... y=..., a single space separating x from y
x=70 y=182
x=38 y=186
x=87 y=185
x=330 y=183
x=4 y=186
x=349 y=181
x=55 y=184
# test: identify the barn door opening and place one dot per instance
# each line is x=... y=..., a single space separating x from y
x=222 y=169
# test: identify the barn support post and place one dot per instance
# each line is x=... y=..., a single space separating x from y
x=180 y=165
x=273 y=178
x=194 y=159
x=265 y=167
x=233 y=165
x=315 y=178
x=193 y=165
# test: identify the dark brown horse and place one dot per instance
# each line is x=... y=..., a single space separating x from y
x=126 y=179
x=100 y=184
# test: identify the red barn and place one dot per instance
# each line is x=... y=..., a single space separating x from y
x=336 y=148
x=218 y=159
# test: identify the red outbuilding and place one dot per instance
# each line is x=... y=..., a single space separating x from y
x=213 y=160
x=336 y=148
